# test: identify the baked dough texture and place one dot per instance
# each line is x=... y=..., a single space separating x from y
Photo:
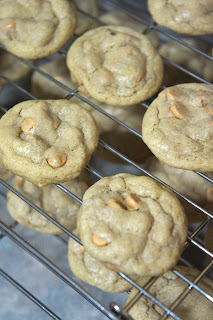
x=92 y=271
x=37 y=28
x=5 y=174
x=133 y=223
x=47 y=141
x=61 y=207
x=11 y=67
x=166 y=289
x=115 y=65
x=178 y=126
x=187 y=17
x=120 y=18
x=188 y=183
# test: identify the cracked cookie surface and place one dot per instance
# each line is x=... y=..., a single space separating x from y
x=62 y=207
x=92 y=271
x=35 y=29
x=189 y=17
x=169 y=287
x=115 y=65
x=178 y=126
x=47 y=141
x=132 y=223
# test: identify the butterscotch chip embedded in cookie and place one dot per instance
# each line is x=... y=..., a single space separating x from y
x=36 y=29
x=94 y=272
x=177 y=126
x=115 y=65
x=47 y=141
x=188 y=17
x=142 y=233
x=61 y=207
x=167 y=289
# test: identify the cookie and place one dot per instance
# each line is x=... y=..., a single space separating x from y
x=61 y=208
x=43 y=88
x=187 y=17
x=178 y=127
x=209 y=237
x=133 y=223
x=47 y=141
x=120 y=18
x=92 y=271
x=187 y=58
x=36 y=29
x=115 y=65
x=5 y=174
x=166 y=289
x=188 y=183
x=86 y=23
x=11 y=67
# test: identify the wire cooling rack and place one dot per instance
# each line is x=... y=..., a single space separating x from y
x=195 y=243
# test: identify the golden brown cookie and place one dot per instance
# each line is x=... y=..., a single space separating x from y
x=115 y=65
x=11 y=67
x=47 y=141
x=86 y=23
x=61 y=208
x=133 y=223
x=189 y=17
x=43 y=88
x=120 y=18
x=35 y=29
x=188 y=183
x=166 y=289
x=92 y=271
x=178 y=126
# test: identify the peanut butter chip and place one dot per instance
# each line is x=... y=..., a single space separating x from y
x=99 y=242
x=173 y=93
x=111 y=267
x=78 y=248
x=115 y=204
x=176 y=112
x=58 y=159
x=133 y=202
x=27 y=125
x=208 y=109
x=11 y=26
x=139 y=77
x=19 y=181
x=209 y=195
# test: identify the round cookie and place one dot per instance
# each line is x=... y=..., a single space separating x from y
x=43 y=88
x=188 y=183
x=85 y=23
x=62 y=207
x=133 y=223
x=120 y=18
x=115 y=65
x=11 y=67
x=35 y=29
x=92 y=271
x=178 y=126
x=187 y=58
x=47 y=141
x=209 y=238
x=166 y=289
x=187 y=17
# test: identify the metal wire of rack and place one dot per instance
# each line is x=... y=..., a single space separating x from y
x=114 y=311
